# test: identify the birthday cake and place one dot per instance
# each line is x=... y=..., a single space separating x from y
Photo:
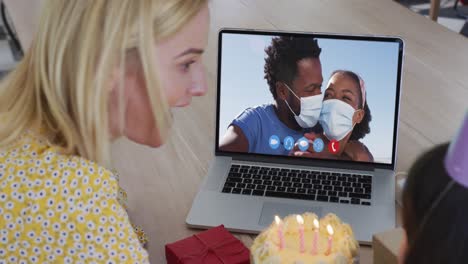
x=306 y=239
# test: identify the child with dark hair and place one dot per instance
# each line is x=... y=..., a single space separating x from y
x=361 y=128
x=344 y=117
x=435 y=205
x=345 y=113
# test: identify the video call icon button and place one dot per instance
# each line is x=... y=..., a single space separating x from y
x=334 y=146
x=288 y=143
x=318 y=145
x=303 y=144
x=274 y=142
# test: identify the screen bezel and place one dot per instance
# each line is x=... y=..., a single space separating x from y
x=311 y=161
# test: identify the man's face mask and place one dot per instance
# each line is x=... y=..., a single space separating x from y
x=336 y=119
x=310 y=109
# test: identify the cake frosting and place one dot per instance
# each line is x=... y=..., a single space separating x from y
x=344 y=248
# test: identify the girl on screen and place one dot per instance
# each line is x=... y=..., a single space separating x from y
x=345 y=118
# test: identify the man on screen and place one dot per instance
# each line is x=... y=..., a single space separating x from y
x=294 y=75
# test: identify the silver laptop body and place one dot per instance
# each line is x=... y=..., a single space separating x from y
x=248 y=213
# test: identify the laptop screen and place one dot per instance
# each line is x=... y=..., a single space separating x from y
x=308 y=96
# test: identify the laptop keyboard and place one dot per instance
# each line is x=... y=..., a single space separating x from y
x=323 y=186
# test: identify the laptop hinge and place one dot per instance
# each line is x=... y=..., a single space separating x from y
x=309 y=163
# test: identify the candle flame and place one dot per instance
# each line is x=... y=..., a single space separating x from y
x=277 y=220
x=316 y=223
x=299 y=219
x=330 y=230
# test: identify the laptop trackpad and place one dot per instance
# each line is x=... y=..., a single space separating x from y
x=270 y=209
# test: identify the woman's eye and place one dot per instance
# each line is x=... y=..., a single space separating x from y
x=186 y=66
x=347 y=99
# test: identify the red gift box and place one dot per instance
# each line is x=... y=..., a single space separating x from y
x=213 y=246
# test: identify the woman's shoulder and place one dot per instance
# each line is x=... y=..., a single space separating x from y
x=34 y=158
x=71 y=200
x=35 y=149
x=77 y=173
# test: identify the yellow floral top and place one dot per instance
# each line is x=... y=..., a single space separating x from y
x=61 y=209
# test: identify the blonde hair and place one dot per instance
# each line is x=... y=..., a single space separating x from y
x=62 y=83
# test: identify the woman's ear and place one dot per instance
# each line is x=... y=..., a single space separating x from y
x=358 y=116
x=282 y=91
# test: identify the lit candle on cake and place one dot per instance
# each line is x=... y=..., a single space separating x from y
x=301 y=230
x=330 y=239
x=300 y=221
x=316 y=233
x=279 y=224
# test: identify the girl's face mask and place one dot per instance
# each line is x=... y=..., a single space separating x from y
x=336 y=119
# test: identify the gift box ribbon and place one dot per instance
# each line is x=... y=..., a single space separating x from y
x=212 y=249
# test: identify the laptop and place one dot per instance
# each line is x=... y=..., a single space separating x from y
x=270 y=87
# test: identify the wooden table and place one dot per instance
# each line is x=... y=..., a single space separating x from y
x=161 y=183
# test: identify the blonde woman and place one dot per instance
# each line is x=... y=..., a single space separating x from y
x=96 y=71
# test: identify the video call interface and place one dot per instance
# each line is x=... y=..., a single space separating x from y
x=308 y=96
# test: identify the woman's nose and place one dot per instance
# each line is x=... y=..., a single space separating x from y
x=199 y=87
